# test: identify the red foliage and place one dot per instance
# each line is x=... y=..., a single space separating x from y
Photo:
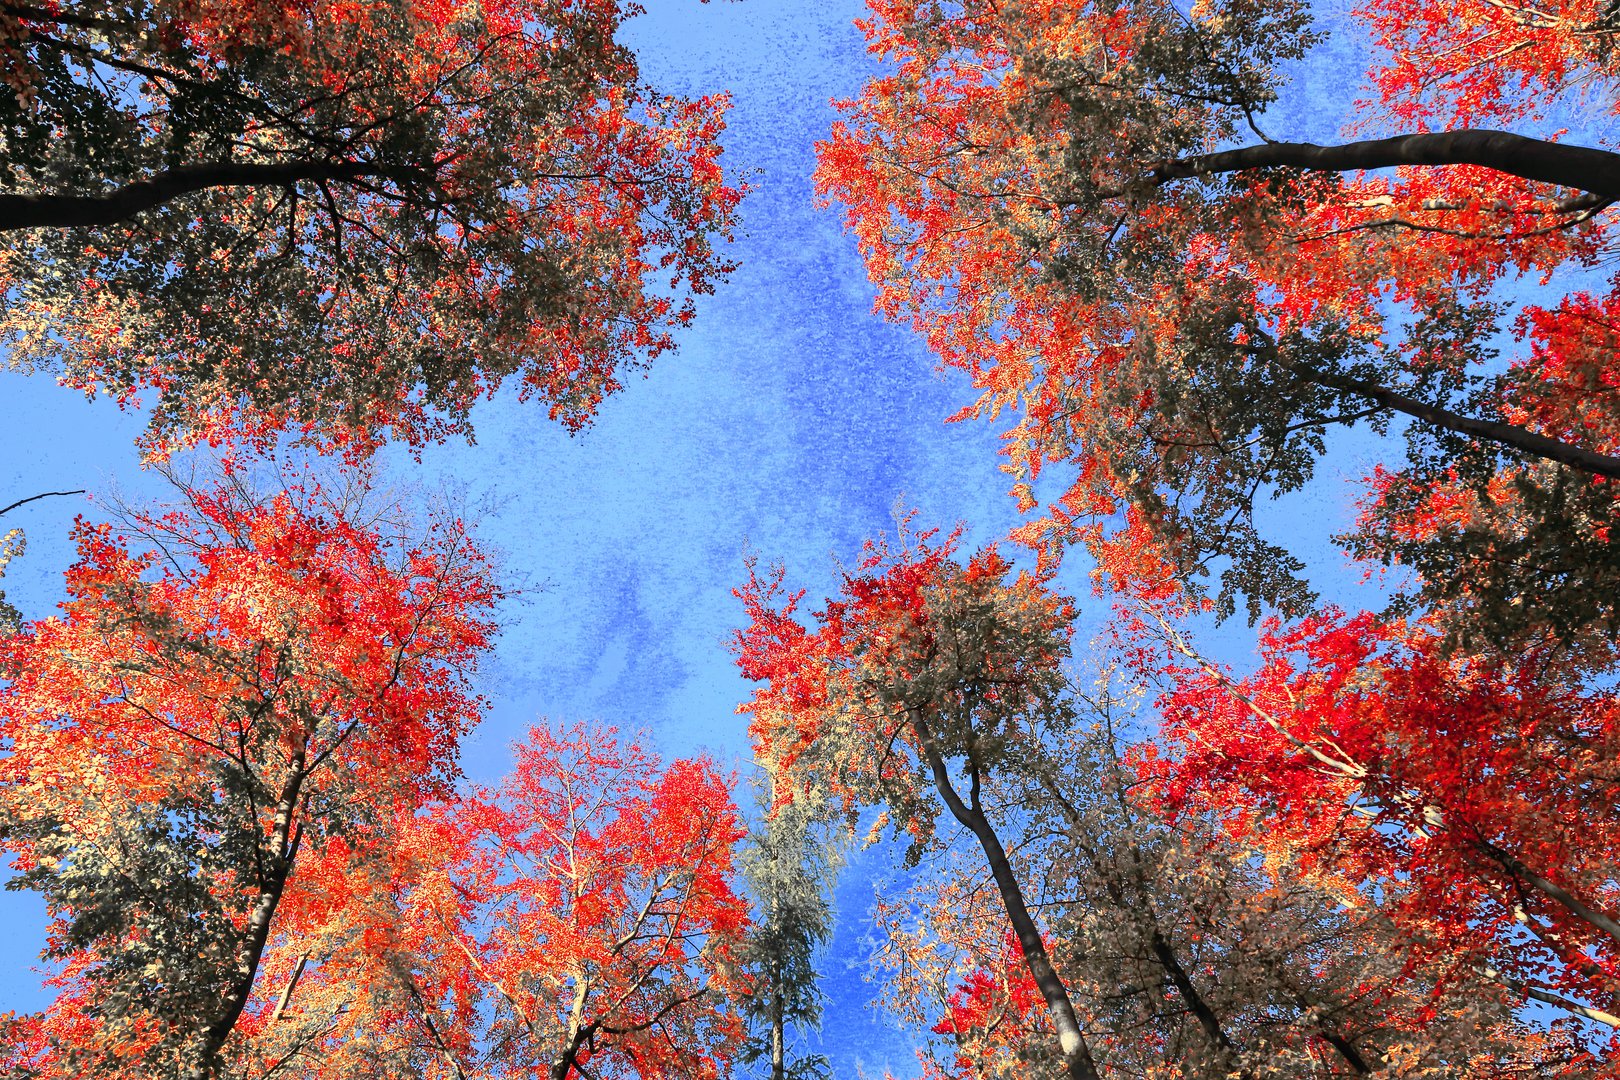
x=996 y=1011
x=589 y=910
x=1471 y=799
x=910 y=626
x=262 y=689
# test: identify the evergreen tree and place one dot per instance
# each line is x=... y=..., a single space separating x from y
x=790 y=862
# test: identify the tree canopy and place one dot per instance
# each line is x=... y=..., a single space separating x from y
x=236 y=687
x=358 y=218
x=1085 y=208
x=1070 y=925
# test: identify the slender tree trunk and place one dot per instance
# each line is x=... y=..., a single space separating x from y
x=1076 y=1054
x=778 y=1034
x=1158 y=945
x=250 y=951
x=563 y=1063
x=1581 y=167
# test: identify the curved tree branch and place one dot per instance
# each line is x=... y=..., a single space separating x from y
x=41 y=495
x=1508 y=435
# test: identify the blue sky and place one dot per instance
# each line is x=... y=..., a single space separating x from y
x=790 y=423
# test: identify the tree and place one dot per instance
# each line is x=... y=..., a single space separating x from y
x=1187 y=957
x=587 y=926
x=1081 y=208
x=914 y=667
x=355 y=218
x=1066 y=904
x=789 y=862
x=239 y=701
x=1475 y=796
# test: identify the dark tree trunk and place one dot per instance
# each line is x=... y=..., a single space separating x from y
x=1076 y=1055
x=284 y=835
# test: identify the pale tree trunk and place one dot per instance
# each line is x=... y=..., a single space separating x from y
x=778 y=1035
x=566 y=1060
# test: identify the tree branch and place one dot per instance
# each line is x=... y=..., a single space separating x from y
x=1508 y=435
x=41 y=495
x=80 y=211
x=1547 y=997
x=1583 y=168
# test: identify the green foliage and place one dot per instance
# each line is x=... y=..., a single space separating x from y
x=11 y=546
x=790 y=862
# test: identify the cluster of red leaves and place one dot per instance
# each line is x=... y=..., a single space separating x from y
x=804 y=671
x=910 y=627
x=1480 y=62
x=1472 y=799
x=994 y=1013
x=281 y=599
x=585 y=910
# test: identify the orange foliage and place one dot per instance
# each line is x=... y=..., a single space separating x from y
x=1033 y=189
x=218 y=731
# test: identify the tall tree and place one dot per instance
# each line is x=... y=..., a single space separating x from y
x=903 y=696
x=1082 y=207
x=789 y=863
x=251 y=687
x=360 y=218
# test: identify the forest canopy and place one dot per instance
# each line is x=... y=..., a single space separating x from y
x=1122 y=777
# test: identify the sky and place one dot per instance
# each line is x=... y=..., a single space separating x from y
x=790 y=423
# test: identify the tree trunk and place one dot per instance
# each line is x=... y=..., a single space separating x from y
x=778 y=1035
x=250 y=951
x=1076 y=1055
x=565 y=1062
